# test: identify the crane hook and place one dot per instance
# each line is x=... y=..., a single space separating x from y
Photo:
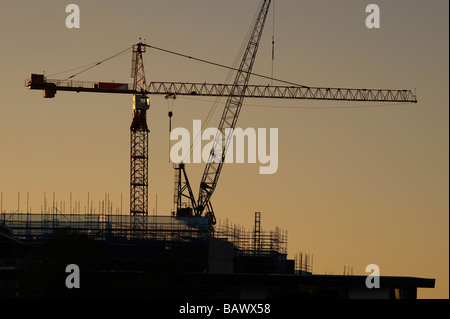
x=170 y=114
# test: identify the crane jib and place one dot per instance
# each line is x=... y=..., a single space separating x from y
x=217 y=89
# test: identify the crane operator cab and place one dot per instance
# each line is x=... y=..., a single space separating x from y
x=141 y=102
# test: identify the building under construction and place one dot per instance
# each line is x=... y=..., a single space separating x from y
x=190 y=238
x=172 y=257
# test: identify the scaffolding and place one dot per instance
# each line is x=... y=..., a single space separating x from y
x=257 y=242
x=29 y=226
x=303 y=263
x=36 y=227
x=256 y=246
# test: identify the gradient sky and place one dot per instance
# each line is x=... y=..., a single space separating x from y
x=355 y=186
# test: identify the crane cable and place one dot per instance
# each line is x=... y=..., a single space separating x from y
x=224 y=66
x=170 y=105
x=90 y=65
x=273 y=39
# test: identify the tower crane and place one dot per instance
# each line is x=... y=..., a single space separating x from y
x=138 y=129
x=235 y=93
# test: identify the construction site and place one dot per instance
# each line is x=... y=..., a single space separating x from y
x=130 y=252
x=107 y=243
x=168 y=257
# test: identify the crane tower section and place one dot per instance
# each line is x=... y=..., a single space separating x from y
x=139 y=143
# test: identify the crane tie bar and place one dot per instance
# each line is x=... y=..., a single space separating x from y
x=222 y=65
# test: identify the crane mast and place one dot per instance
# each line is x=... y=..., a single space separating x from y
x=139 y=144
x=230 y=116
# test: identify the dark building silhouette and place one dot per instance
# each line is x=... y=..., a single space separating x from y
x=172 y=258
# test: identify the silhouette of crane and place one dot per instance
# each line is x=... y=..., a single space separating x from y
x=235 y=93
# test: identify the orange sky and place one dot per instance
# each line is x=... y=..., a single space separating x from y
x=354 y=186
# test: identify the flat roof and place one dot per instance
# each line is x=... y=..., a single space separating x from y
x=328 y=280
